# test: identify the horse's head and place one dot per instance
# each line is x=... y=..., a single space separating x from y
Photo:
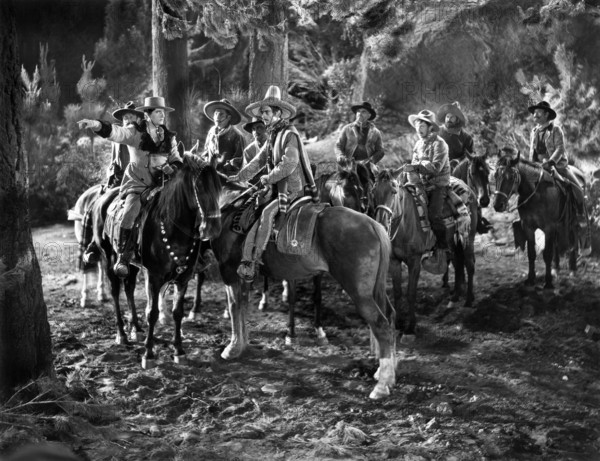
x=384 y=197
x=195 y=188
x=345 y=190
x=478 y=174
x=507 y=178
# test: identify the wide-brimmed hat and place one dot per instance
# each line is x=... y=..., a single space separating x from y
x=453 y=109
x=250 y=125
x=224 y=104
x=272 y=98
x=155 y=102
x=366 y=106
x=128 y=108
x=426 y=116
x=545 y=106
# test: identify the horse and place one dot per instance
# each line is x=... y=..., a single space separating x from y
x=541 y=205
x=361 y=272
x=395 y=209
x=169 y=245
x=78 y=215
x=474 y=171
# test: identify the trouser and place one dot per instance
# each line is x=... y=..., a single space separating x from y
x=258 y=237
x=437 y=197
x=133 y=205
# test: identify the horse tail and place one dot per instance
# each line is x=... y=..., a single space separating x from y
x=385 y=251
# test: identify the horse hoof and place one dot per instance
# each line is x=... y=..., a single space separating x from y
x=408 y=339
x=194 y=316
x=452 y=304
x=230 y=353
x=226 y=314
x=136 y=336
x=291 y=341
x=381 y=391
x=148 y=364
x=262 y=306
x=180 y=359
x=121 y=339
x=322 y=341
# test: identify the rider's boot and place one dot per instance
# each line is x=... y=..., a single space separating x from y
x=121 y=267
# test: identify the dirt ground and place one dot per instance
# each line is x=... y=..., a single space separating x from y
x=515 y=377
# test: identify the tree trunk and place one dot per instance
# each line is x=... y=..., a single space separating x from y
x=170 y=75
x=25 y=347
x=269 y=66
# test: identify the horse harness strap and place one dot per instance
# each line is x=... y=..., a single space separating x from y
x=537 y=184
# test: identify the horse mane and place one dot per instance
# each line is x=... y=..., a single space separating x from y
x=173 y=198
x=531 y=170
x=385 y=175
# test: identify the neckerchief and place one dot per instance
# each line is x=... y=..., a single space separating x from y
x=272 y=132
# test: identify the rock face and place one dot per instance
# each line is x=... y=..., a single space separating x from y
x=465 y=51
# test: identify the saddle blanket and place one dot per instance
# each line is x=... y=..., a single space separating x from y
x=295 y=236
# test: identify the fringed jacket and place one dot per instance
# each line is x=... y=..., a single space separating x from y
x=287 y=167
x=142 y=171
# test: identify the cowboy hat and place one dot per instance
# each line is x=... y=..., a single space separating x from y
x=223 y=104
x=155 y=102
x=366 y=106
x=272 y=98
x=250 y=125
x=426 y=116
x=453 y=109
x=128 y=108
x=545 y=106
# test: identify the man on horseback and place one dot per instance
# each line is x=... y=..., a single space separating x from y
x=452 y=131
x=362 y=142
x=120 y=152
x=287 y=173
x=430 y=160
x=258 y=130
x=547 y=146
x=224 y=144
x=155 y=155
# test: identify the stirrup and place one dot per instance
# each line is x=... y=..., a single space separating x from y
x=91 y=255
x=247 y=271
x=121 y=267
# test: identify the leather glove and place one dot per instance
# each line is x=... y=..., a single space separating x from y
x=168 y=169
x=86 y=123
x=264 y=180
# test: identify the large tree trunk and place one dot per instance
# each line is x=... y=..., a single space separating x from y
x=170 y=75
x=25 y=347
x=269 y=66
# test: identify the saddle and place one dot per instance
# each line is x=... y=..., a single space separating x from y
x=295 y=232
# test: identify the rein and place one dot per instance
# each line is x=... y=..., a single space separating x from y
x=518 y=182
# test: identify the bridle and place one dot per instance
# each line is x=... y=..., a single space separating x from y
x=515 y=186
x=388 y=211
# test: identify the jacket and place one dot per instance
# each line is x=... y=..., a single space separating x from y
x=553 y=140
x=142 y=171
x=432 y=154
x=227 y=147
x=348 y=141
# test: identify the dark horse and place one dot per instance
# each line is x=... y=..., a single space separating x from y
x=395 y=209
x=541 y=205
x=77 y=214
x=170 y=242
x=361 y=272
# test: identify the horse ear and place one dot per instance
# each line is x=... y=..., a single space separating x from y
x=180 y=148
x=396 y=172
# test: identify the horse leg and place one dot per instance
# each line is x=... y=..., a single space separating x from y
x=115 y=288
x=290 y=337
x=469 y=255
x=84 y=284
x=179 y=296
x=396 y=273
x=237 y=313
x=264 y=299
x=548 y=255
x=195 y=313
x=445 y=279
x=286 y=291
x=531 y=257
x=100 y=288
x=573 y=261
x=318 y=306
x=136 y=331
x=231 y=301
x=154 y=286
x=459 y=274
x=414 y=271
